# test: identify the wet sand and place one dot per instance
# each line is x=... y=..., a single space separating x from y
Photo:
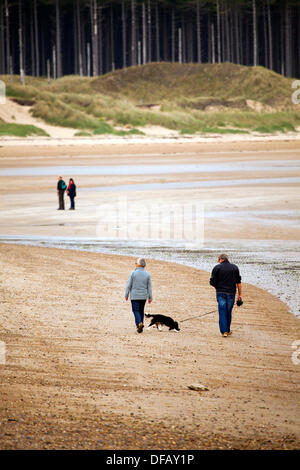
x=28 y=203
x=77 y=375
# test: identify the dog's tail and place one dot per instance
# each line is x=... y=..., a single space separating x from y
x=148 y=315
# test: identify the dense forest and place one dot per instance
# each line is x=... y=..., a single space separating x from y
x=93 y=37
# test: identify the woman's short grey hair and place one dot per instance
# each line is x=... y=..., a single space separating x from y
x=141 y=262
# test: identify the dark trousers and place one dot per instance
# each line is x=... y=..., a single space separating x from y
x=61 y=199
x=72 y=202
x=225 y=305
x=138 y=310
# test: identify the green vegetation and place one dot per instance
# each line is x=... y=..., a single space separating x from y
x=218 y=130
x=103 y=128
x=189 y=98
x=82 y=134
x=131 y=132
x=20 y=130
x=187 y=131
x=284 y=127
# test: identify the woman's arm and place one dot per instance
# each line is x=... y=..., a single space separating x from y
x=128 y=286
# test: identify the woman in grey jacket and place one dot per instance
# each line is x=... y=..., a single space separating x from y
x=140 y=289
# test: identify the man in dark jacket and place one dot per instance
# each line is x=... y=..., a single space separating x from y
x=225 y=277
x=61 y=187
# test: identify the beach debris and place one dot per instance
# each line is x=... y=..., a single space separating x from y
x=198 y=387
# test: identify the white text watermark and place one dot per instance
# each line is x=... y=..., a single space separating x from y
x=2 y=353
x=121 y=218
x=295 y=99
x=296 y=353
x=2 y=92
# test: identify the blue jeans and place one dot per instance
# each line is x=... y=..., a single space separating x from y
x=138 y=310
x=225 y=305
x=72 y=202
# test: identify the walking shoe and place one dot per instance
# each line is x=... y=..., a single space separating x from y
x=225 y=334
x=140 y=327
x=230 y=333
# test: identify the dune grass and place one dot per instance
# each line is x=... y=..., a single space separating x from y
x=189 y=98
x=82 y=134
x=171 y=81
x=20 y=130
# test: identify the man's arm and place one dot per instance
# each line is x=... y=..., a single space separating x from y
x=149 y=288
x=239 y=286
x=213 y=278
x=239 y=283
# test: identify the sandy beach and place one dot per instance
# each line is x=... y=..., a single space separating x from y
x=76 y=374
x=79 y=376
x=28 y=200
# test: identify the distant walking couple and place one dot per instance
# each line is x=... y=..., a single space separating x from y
x=71 y=191
x=225 y=278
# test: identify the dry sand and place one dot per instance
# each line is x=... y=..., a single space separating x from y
x=77 y=375
x=12 y=112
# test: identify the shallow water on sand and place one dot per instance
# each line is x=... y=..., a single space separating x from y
x=271 y=265
x=267 y=165
x=192 y=184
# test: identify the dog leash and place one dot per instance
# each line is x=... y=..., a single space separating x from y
x=199 y=316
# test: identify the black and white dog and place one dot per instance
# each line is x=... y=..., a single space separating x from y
x=160 y=320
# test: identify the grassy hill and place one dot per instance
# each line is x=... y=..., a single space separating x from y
x=164 y=81
x=190 y=98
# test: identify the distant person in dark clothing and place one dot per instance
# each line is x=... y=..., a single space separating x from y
x=61 y=187
x=71 y=191
x=225 y=278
